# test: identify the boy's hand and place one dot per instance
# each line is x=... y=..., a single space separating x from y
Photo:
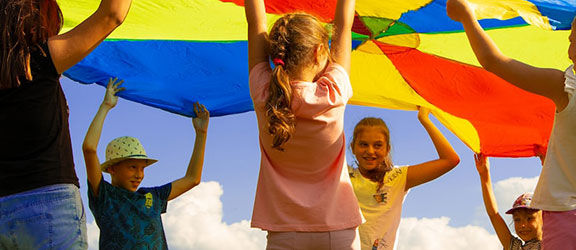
x=201 y=120
x=458 y=10
x=482 y=164
x=110 y=98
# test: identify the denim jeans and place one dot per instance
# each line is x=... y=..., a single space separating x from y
x=50 y=217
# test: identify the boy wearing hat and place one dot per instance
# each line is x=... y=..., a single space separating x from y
x=128 y=216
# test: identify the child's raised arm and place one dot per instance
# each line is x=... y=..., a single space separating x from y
x=90 y=145
x=194 y=171
x=483 y=167
x=342 y=37
x=71 y=47
x=447 y=157
x=257 y=32
x=546 y=82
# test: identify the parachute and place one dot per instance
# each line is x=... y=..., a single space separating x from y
x=406 y=53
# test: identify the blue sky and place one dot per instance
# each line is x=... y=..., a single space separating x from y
x=232 y=157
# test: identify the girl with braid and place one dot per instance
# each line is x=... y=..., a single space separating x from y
x=304 y=198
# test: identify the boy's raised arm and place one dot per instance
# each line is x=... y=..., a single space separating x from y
x=90 y=145
x=194 y=171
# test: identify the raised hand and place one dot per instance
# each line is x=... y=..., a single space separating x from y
x=482 y=164
x=202 y=117
x=458 y=10
x=113 y=87
x=423 y=114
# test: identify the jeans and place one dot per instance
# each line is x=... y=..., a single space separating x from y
x=50 y=217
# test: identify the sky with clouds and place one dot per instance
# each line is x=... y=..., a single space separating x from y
x=447 y=213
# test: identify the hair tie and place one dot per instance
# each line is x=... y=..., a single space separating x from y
x=278 y=61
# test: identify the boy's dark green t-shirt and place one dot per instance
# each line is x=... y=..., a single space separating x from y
x=130 y=220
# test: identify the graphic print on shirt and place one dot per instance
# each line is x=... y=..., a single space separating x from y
x=380 y=243
x=149 y=200
x=381 y=195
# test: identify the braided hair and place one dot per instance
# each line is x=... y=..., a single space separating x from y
x=25 y=24
x=292 y=40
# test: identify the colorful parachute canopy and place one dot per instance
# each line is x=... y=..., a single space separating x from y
x=406 y=53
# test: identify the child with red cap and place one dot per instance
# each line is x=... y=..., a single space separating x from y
x=527 y=220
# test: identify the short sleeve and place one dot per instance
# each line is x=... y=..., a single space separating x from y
x=161 y=193
x=569 y=80
x=402 y=174
x=259 y=80
x=337 y=75
x=96 y=203
x=515 y=243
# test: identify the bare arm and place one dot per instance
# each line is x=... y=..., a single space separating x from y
x=92 y=138
x=483 y=167
x=71 y=47
x=447 y=157
x=194 y=171
x=257 y=32
x=342 y=38
x=545 y=82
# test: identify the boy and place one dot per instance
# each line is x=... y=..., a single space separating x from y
x=128 y=217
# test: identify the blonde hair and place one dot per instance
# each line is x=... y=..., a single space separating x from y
x=25 y=24
x=376 y=175
x=293 y=40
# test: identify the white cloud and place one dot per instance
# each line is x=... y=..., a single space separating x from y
x=435 y=233
x=506 y=191
x=194 y=221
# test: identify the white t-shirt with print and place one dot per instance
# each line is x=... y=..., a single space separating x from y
x=382 y=209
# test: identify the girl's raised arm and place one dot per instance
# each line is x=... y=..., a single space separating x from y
x=447 y=157
x=71 y=47
x=545 y=82
x=257 y=32
x=498 y=223
x=342 y=36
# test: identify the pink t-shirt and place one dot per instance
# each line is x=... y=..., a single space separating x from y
x=306 y=187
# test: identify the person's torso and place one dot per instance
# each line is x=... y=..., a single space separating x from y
x=130 y=220
x=381 y=208
x=556 y=189
x=35 y=145
x=305 y=187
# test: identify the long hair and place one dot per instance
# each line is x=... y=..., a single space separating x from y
x=25 y=24
x=375 y=175
x=293 y=40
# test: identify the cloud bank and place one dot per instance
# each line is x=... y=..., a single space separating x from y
x=194 y=221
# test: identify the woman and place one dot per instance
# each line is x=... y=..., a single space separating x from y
x=40 y=205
